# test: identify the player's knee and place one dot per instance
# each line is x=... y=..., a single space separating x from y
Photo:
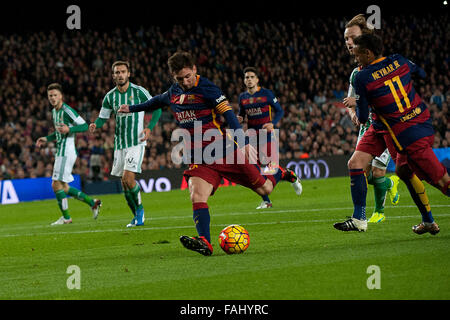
x=128 y=180
x=56 y=185
x=265 y=189
x=354 y=163
x=198 y=196
x=378 y=173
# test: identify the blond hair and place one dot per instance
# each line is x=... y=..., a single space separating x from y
x=360 y=21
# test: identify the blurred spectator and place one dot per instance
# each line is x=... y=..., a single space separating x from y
x=307 y=67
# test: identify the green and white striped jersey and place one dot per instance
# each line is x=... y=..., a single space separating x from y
x=65 y=143
x=128 y=125
x=351 y=93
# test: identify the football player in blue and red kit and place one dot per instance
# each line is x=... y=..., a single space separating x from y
x=194 y=99
x=401 y=122
x=263 y=111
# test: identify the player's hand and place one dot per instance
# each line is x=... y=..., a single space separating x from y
x=354 y=118
x=41 y=141
x=92 y=127
x=62 y=128
x=145 y=134
x=349 y=102
x=124 y=108
x=268 y=126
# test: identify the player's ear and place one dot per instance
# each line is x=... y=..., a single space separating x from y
x=194 y=69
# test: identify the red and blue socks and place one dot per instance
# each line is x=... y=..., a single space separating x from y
x=202 y=219
x=358 y=186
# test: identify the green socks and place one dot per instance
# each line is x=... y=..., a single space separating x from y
x=133 y=198
x=61 y=197
x=381 y=186
x=130 y=201
x=80 y=195
x=135 y=194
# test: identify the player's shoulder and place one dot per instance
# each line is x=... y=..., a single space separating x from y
x=111 y=92
x=243 y=95
x=362 y=76
x=114 y=89
x=396 y=56
x=353 y=74
x=205 y=83
x=140 y=89
x=266 y=92
x=69 y=110
x=208 y=89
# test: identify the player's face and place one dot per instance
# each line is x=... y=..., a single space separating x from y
x=362 y=56
x=349 y=35
x=250 y=80
x=186 y=77
x=54 y=97
x=121 y=75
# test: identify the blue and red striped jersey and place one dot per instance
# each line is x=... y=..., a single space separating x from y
x=385 y=85
x=258 y=108
x=202 y=103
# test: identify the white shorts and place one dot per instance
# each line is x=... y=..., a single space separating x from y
x=62 y=168
x=382 y=161
x=129 y=159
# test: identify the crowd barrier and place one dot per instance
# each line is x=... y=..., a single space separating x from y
x=20 y=190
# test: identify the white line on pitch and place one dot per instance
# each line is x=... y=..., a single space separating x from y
x=188 y=227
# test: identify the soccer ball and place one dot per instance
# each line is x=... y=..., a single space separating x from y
x=234 y=239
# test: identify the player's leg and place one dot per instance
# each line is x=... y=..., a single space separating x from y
x=382 y=186
x=199 y=191
x=444 y=184
x=416 y=163
x=369 y=146
x=95 y=204
x=61 y=198
x=133 y=163
x=203 y=181
x=278 y=173
x=266 y=158
x=417 y=191
x=358 y=187
x=126 y=163
x=274 y=172
x=133 y=195
x=62 y=173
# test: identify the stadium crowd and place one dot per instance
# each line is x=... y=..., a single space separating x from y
x=303 y=62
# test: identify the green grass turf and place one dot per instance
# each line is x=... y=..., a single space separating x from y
x=294 y=252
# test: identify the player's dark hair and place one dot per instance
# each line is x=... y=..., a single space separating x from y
x=120 y=63
x=360 y=21
x=179 y=61
x=370 y=42
x=55 y=86
x=250 y=69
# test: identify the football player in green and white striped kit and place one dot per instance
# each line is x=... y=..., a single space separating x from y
x=130 y=135
x=67 y=123
x=377 y=172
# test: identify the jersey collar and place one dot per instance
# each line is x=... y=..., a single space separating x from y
x=378 y=60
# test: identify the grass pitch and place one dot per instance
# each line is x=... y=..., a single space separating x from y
x=294 y=253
